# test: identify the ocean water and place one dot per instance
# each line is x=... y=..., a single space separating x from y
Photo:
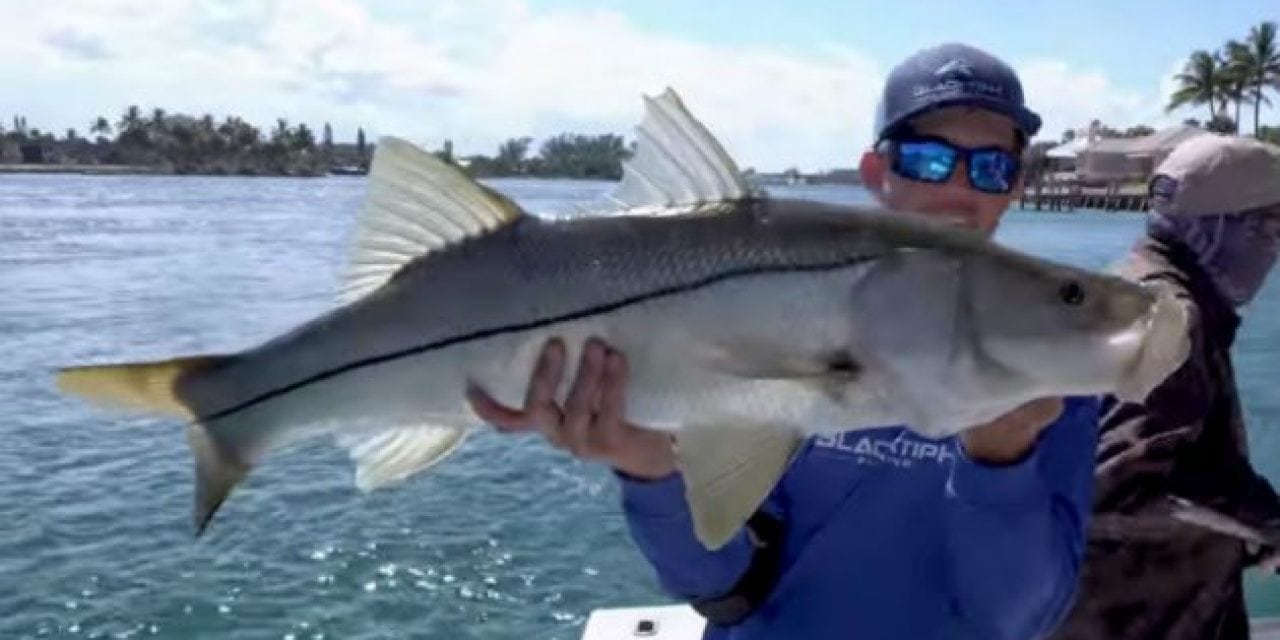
x=509 y=539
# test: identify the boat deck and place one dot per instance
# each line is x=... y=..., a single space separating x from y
x=680 y=622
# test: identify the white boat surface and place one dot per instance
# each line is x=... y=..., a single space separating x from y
x=661 y=622
x=681 y=622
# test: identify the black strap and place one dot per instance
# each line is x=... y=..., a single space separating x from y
x=765 y=533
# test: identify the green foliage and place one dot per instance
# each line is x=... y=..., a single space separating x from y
x=178 y=143
x=567 y=155
x=1269 y=134
x=1238 y=73
x=1200 y=83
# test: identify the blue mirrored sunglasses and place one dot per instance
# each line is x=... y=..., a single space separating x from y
x=926 y=159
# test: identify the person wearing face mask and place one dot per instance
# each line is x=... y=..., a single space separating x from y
x=1179 y=512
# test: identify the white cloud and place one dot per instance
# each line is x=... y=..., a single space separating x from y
x=476 y=72
x=1068 y=97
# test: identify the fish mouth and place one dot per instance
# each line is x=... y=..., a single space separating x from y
x=1159 y=345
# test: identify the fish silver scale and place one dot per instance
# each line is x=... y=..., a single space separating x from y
x=536 y=271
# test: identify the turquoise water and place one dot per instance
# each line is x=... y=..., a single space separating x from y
x=507 y=540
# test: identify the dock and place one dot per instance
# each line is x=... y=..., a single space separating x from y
x=1050 y=195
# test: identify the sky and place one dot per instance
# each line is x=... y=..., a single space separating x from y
x=780 y=87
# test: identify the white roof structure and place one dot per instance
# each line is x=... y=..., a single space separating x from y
x=1069 y=149
x=1130 y=158
x=1158 y=143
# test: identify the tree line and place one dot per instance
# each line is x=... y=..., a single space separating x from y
x=184 y=144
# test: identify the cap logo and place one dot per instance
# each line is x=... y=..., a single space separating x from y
x=958 y=77
x=955 y=68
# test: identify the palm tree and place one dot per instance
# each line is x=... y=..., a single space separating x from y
x=1235 y=76
x=131 y=119
x=511 y=155
x=1259 y=61
x=101 y=127
x=1201 y=83
x=303 y=138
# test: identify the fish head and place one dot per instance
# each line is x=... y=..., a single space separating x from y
x=958 y=335
x=1070 y=331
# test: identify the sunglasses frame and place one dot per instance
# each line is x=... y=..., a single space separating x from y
x=967 y=153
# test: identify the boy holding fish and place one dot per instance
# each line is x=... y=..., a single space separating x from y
x=878 y=533
x=916 y=510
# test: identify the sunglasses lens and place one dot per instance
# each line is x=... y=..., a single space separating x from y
x=925 y=161
x=993 y=171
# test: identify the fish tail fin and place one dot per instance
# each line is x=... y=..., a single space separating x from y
x=154 y=387
x=148 y=386
x=217 y=473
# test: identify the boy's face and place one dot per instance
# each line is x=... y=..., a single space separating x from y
x=964 y=127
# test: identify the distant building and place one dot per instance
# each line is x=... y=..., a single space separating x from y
x=1065 y=156
x=1129 y=159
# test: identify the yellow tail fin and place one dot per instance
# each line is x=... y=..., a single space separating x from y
x=149 y=386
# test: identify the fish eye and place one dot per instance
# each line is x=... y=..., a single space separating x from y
x=1071 y=293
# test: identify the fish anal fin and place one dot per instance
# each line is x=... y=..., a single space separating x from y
x=728 y=472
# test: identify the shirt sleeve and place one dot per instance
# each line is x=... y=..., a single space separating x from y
x=662 y=527
x=1016 y=533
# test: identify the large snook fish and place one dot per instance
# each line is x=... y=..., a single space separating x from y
x=748 y=323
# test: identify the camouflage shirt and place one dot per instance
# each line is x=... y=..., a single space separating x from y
x=1147 y=573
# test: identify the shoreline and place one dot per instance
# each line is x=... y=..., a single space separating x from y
x=81 y=169
x=143 y=170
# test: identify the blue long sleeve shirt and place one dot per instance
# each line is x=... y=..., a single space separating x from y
x=890 y=535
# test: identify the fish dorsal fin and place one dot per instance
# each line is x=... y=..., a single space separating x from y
x=678 y=164
x=416 y=204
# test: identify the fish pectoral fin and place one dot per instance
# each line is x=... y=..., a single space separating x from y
x=728 y=472
x=146 y=386
x=416 y=204
x=388 y=457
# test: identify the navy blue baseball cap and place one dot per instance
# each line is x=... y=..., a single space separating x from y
x=947 y=75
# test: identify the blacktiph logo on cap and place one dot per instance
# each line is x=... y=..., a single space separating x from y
x=957 y=78
x=956 y=69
